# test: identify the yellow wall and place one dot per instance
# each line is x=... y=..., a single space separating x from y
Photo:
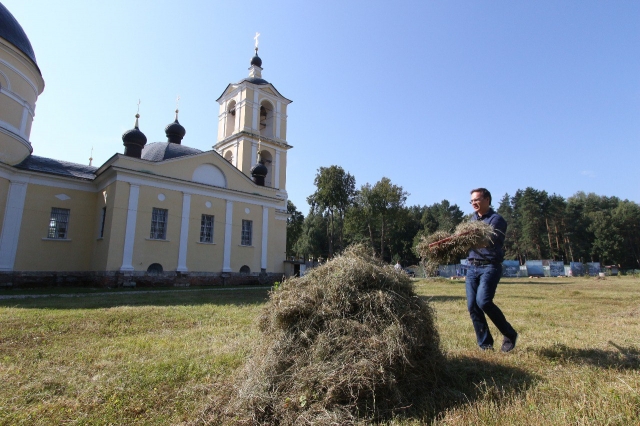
x=202 y=256
x=36 y=252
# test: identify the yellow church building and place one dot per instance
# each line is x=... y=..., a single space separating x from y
x=159 y=212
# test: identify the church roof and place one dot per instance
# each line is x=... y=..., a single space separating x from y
x=160 y=151
x=11 y=31
x=57 y=167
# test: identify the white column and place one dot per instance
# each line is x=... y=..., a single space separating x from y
x=11 y=225
x=238 y=113
x=277 y=173
x=228 y=222
x=278 y=118
x=23 y=122
x=265 y=236
x=254 y=154
x=256 y=111
x=130 y=230
x=235 y=157
x=184 y=233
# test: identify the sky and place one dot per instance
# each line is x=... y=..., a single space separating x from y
x=438 y=96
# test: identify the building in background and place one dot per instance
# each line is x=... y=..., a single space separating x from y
x=159 y=212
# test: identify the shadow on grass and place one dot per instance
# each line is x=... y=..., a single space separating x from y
x=165 y=297
x=620 y=358
x=465 y=380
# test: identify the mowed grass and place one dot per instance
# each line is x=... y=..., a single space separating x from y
x=161 y=358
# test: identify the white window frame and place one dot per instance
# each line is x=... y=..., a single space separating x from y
x=206 y=228
x=247 y=232
x=59 y=223
x=159 y=219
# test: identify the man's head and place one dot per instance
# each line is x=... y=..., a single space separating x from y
x=480 y=200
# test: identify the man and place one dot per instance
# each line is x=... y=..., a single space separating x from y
x=483 y=275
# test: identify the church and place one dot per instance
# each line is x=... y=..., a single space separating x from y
x=155 y=213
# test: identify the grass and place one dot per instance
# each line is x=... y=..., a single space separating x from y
x=160 y=357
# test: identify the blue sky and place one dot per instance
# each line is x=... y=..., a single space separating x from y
x=439 y=96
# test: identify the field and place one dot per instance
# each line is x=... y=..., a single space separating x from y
x=159 y=357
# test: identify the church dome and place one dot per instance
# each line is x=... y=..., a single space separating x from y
x=175 y=131
x=256 y=60
x=133 y=140
x=11 y=31
x=161 y=151
x=259 y=170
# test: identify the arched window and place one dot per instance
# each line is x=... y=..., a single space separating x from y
x=229 y=156
x=231 y=119
x=266 y=119
x=268 y=161
x=154 y=269
x=245 y=269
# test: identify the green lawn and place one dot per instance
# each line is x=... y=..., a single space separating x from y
x=160 y=357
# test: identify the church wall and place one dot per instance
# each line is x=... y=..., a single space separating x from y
x=206 y=257
x=25 y=70
x=10 y=111
x=277 y=243
x=4 y=195
x=36 y=252
x=283 y=169
x=147 y=251
x=246 y=255
x=283 y=122
x=101 y=247
x=115 y=226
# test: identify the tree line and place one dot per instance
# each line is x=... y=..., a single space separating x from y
x=581 y=228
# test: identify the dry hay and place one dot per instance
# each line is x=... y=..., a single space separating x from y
x=349 y=342
x=443 y=248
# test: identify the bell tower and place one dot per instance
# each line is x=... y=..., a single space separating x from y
x=252 y=118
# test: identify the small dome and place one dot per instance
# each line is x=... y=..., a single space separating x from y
x=174 y=131
x=256 y=60
x=259 y=170
x=133 y=140
x=11 y=31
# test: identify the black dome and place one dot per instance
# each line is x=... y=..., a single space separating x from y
x=175 y=132
x=256 y=60
x=134 y=136
x=259 y=170
x=11 y=31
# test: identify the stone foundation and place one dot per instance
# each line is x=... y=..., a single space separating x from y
x=114 y=279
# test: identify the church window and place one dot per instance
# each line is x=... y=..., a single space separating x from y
x=245 y=269
x=104 y=217
x=247 y=226
x=266 y=119
x=206 y=229
x=159 y=224
x=59 y=223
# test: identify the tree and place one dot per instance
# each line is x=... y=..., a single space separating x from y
x=335 y=190
x=313 y=241
x=374 y=212
x=294 y=227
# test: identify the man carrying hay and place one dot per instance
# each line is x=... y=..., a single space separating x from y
x=483 y=275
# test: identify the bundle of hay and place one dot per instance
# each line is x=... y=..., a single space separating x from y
x=348 y=342
x=442 y=248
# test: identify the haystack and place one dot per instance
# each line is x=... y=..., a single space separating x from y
x=443 y=248
x=348 y=342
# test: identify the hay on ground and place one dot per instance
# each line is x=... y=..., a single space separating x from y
x=443 y=248
x=348 y=342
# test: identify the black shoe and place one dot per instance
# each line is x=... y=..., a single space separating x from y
x=486 y=348
x=508 y=344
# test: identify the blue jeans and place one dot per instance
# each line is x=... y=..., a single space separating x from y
x=482 y=282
